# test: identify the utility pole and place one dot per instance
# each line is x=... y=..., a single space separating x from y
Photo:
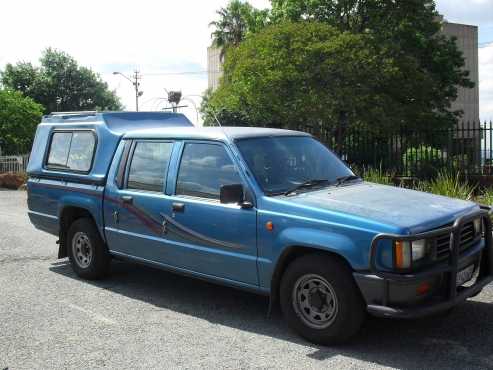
x=138 y=93
x=135 y=82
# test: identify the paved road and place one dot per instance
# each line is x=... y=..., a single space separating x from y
x=144 y=318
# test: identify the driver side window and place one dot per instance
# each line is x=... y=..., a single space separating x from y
x=204 y=168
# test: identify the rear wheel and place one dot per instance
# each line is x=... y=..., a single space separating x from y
x=320 y=300
x=87 y=251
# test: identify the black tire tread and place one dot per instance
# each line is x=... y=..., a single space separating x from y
x=352 y=310
x=100 y=263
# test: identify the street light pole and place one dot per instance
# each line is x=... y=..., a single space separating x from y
x=136 y=83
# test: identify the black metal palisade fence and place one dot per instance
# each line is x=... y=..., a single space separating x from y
x=467 y=148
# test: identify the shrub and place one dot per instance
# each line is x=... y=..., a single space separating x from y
x=12 y=181
x=423 y=161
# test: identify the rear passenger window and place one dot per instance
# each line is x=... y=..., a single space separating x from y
x=149 y=166
x=204 y=169
x=72 y=151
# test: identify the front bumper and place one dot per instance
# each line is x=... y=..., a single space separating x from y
x=390 y=294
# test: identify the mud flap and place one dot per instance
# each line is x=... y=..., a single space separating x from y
x=62 y=249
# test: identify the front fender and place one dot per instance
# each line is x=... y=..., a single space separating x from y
x=342 y=245
x=352 y=245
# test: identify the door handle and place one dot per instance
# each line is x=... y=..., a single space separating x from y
x=164 y=224
x=127 y=199
x=178 y=207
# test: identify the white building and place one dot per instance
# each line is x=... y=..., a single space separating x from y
x=467 y=41
x=214 y=67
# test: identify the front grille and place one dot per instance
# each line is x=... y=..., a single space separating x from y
x=467 y=239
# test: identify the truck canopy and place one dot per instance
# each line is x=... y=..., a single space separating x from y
x=107 y=128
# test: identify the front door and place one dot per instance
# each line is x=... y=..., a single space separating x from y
x=209 y=237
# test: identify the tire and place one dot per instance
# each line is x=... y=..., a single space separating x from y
x=87 y=252
x=320 y=300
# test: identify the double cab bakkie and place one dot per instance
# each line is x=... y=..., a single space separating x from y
x=271 y=211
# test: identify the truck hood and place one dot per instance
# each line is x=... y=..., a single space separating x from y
x=409 y=210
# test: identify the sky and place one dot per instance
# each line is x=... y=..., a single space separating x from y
x=165 y=40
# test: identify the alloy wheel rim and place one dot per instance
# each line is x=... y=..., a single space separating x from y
x=315 y=301
x=82 y=250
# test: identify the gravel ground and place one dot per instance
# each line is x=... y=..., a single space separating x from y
x=145 y=318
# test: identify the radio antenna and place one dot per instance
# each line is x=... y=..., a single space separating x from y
x=215 y=117
x=211 y=109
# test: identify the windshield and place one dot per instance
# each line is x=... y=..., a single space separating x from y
x=282 y=163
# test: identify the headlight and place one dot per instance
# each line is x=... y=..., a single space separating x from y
x=419 y=249
x=477 y=226
x=406 y=252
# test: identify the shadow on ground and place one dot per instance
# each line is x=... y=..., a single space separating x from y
x=462 y=339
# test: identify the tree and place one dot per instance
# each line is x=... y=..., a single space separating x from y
x=429 y=66
x=235 y=22
x=60 y=84
x=222 y=116
x=19 y=117
x=294 y=75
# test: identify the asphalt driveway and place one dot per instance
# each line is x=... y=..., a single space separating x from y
x=145 y=318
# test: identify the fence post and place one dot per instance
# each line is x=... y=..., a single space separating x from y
x=406 y=151
x=14 y=163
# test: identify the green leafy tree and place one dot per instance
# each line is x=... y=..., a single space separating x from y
x=60 y=84
x=19 y=117
x=305 y=74
x=235 y=22
x=429 y=66
x=221 y=116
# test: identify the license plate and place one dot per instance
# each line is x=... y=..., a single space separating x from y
x=465 y=275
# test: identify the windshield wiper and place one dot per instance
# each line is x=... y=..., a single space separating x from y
x=342 y=180
x=307 y=184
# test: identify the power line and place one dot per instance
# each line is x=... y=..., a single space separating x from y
x=180 y=73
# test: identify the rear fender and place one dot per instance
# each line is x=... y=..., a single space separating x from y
x=93 y=205
x=86 y=207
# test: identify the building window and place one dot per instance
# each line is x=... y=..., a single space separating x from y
x=149 y=166
x=204 y=169
x=72 y=151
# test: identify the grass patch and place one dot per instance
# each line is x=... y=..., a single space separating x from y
x=485 y=197
x=376 y=175
x=445 y=183
x=448 y=185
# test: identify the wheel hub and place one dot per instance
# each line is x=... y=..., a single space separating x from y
x=318 y=299
x=82 y=250
x=315 y=301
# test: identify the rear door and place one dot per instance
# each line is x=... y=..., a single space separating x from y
x=135 y=202
x=209 y=237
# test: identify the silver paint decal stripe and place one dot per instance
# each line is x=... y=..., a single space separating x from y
x=189 y=233
x=43 y=215
x=172 y=242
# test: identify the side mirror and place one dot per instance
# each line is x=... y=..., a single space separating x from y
x=230 y=194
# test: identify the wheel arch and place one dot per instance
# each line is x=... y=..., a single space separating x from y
x=290 y=254
x=68 y=215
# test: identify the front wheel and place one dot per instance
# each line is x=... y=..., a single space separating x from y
x=320 y=299
x=86 y=250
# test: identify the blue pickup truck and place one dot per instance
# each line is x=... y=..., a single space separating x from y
x=271 y=211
